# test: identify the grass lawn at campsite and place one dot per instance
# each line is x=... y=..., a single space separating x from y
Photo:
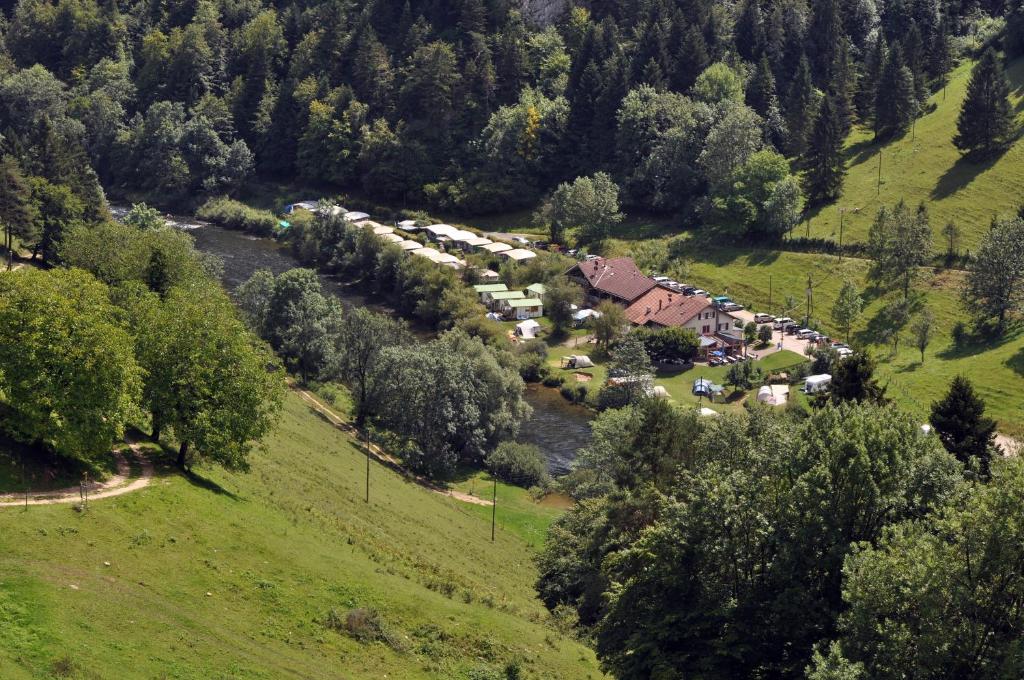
x=678 y=383
x=234 y=577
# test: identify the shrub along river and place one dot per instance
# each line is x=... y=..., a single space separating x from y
x=557 y=427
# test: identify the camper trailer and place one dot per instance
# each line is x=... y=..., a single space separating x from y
x=817 y=383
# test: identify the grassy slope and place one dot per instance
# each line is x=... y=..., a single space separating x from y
x=276 y=550
x=997 y=370
x=925 y=166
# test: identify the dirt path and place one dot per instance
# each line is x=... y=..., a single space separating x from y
x=117 y=485
x=382 y=456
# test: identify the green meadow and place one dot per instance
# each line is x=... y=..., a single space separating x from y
x=255 y=576
x=923 y=165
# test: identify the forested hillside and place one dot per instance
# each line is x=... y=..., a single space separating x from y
x=477 y=105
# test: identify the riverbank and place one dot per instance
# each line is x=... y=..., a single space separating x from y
x=556 y=427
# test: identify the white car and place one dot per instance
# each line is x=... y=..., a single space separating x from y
x=781 y=322
x=763 y=318
x=804 y=333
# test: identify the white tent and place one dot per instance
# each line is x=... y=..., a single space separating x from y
x=393 y=238
x=410 y=245
x=708 y=412
x=380 y=230
x=356 y=216
x=408 y=225
x=584 y=315
x=496 y=247
x=774 y=395
x=527 y=330
x=659 y=392
x=578 y=361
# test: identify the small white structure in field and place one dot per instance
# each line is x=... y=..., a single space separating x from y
x=817 y=383
x=527 y=330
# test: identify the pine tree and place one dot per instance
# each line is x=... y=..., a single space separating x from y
x=749 y=33
x=825 y=168
x=690 y=60
x=17 y=215
x=762 y=98
x=986 y=119
x=874 y=65
x=843 y=87
x=895 y=100
x=800 y=108
x=825 y=36
x=913 y=49
x=960 y=422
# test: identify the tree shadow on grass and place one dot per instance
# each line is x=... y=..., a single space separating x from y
x=978 y=345
x=166 y=461
x=197 y=480
x=862 y=151
x=963 y=172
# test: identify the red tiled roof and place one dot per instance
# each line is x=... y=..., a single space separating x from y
x=618 y=277
x=664 y=307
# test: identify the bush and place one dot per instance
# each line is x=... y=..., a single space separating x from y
x=533 y=356
x=577 y=394
x=519 y=464
x=232 y=214
x=960 y=334
x=554 y=381
x=365 y=626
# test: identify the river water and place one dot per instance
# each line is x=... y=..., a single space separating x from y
x=556 y=427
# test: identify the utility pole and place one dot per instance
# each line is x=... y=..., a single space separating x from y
x=878 y=189
x=769 y=293
x=842 y=215
x=24 y=480
x=808 y=300
x=494 y=505
x=367 y=435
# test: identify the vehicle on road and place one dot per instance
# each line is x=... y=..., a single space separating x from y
x=805 y=333
x=782 y=322
x=731 y=307
x=763 y=318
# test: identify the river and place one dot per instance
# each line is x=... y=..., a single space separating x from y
x=556 y=427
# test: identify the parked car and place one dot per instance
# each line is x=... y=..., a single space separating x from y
x=689 y=290
x=731 y=307
x=661 y=279
x=791 y=328
x=805 y=333
x=782 y=322
x=700 y=291
x=763 y=318
x=588 y=258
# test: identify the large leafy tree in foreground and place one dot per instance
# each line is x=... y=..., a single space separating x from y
x=207 y=379
x=68 y=377
x=941 y=598
x=735 y=570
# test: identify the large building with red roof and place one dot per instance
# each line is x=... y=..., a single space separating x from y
x=617 y=279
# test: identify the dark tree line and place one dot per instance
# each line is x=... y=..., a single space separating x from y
x=465 y=104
